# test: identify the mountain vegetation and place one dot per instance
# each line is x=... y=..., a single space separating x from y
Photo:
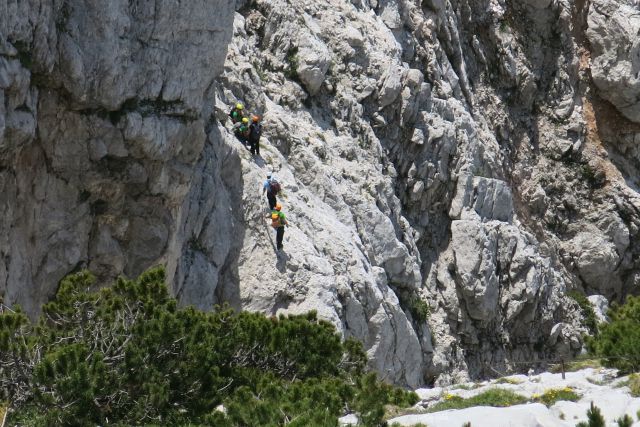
x=129 y=355
x=618 y=342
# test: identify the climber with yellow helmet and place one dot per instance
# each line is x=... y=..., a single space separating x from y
x=237 y=113
x=241 y=130
x=278 y=221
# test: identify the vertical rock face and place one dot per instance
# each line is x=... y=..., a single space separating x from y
x=458 y=152
x=102 y=125
x=449 y=167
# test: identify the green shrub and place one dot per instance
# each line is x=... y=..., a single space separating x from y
x=634 y=384
x=618 y=342
x=291 y=72
x=418 y=308
x=594 y=418
x=551 y=396
x=624 y=421
x=128 y=355
x=496 y=397
x=589 y=315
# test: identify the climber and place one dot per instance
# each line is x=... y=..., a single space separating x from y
x=241 y=130
x=278 y=221
x=272 y=187
x=255 y=131
x=237 y=113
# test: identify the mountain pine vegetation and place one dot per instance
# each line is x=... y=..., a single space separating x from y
x=618 y=342
x=128 y=355
x=594 y=418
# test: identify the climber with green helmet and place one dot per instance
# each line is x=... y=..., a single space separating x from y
x=237 y=113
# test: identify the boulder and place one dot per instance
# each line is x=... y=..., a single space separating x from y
x=613 y=27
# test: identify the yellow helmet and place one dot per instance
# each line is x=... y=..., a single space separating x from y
x=245 y=120
x=278 y=206
x=239 y=106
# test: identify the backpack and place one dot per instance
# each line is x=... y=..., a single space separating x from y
x=274 y=186
x=256 y=132
x=275 y=220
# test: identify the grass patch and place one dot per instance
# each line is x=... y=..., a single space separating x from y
x=507 y=380
x=577 y=365
x=551 y=396
x=465 y=386
x=394 y=411
x=414 y=425
x=596 y=382
x=634 y=385
x=496 y=397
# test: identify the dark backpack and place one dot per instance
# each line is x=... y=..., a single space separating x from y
x=274 y=186
x=256 y=132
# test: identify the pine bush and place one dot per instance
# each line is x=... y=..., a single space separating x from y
x=624 y=421
x=594 y=418
x=128 y=355
x=618 y=343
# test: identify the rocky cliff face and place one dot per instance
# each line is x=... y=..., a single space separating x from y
x=103 y=125
x=477 y=158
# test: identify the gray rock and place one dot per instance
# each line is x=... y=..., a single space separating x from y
x=423 y=166
x=596 y=259
x=391 y=84
x=88 y=196
x=313 y=62
x=615 y=58
x=600 y=307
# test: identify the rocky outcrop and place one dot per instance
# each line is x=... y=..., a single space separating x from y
x=449 y=168
x=615 y=62
x=102 y=125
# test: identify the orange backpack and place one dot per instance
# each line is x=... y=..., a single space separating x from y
x=275 y=220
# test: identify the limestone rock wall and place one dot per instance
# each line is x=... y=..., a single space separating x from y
x=103 y=126
x=470 y=154
x=450 y=167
